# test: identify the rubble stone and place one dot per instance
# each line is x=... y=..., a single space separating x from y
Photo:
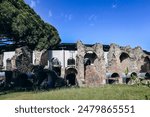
x=92 y=74
x=22 y=60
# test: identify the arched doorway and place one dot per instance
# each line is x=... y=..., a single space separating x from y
x=71 y=76
x=91 y=74
x=56 y=65
x=123 y=57
x=113 y=78
x=89 y=58
x=124 y=61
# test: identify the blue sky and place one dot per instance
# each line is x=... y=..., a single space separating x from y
x=125 y=22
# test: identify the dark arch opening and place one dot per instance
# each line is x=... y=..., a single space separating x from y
x=123 y=56
x=57 y=70
x=87 y=61
x=113 y=78
x=133 y=74
x=147 y=76
x=115 y=75
x=56 y=66
x=71 y=76
x=89 y=58
x=71 y=61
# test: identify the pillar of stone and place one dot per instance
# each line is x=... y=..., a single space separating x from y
x=38 y=56
x=100 y=63
x=80 y=63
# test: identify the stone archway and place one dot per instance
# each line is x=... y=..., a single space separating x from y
x=91 y=74
x=90 y=64
x=70 y=76
x=125 y=62
x=123 y=56
x=113 y=78
x=89 y=58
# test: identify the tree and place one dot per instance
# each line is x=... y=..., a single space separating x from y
x=20 y=22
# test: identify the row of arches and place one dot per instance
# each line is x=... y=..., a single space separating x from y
x=144 y=62
x=113 y=78
x=55 y=61
x=70 y=71
x=89 y=58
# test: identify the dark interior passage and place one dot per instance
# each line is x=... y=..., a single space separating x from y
x=114 y=78
x=123 y=56
x=57 y=70
x=71 y=79
x=71 y=76
x=89 y=58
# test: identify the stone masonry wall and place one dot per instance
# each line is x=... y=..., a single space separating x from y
x=93 y=74
x=122 y=58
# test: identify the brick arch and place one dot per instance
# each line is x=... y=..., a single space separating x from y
x=70 y=76
x=115 y=75
x=123 y=56
x=112 y=78
x=89 y=57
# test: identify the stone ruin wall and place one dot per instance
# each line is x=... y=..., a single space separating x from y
x=22 y=60
x=93 y=74
x=119 y=59
x=122 y=58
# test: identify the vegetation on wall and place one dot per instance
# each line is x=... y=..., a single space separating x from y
x=19 y=22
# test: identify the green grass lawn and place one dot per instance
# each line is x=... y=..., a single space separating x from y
x=106 y=92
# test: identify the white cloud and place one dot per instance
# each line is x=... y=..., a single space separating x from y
x=50 y=13
x=115 y=4
x=92 y=24
x=70 y=17
x=33 y=4
x=92 y=19
x=66 y=17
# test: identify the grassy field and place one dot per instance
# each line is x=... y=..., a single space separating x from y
x=107 y=92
